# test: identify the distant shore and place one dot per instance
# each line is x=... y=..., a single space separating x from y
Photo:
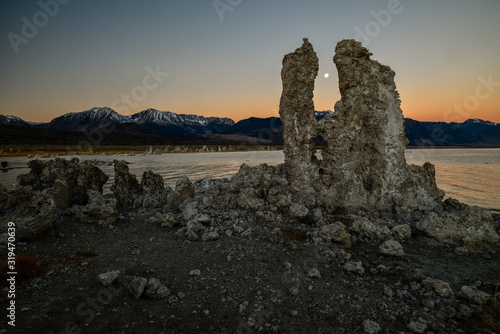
x=25 y=150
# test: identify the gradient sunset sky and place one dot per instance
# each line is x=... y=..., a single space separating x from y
x=223 y=58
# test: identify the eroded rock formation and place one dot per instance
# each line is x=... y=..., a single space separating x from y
x=153 y=193
x=361 y=189
x=300 y=68
x=69 y=176
x=364 y=163
x=34 y=213
x=126 y=188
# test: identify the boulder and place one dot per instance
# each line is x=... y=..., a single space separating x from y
x=155 y=289
x=474 y=295
x=32 y=212
x=391 y=247
x=440 y=287
x=109 y=277
x=152 y=193
x=136 y=286
x=99 y=209
x=332 y=232
x=184 y=189
x=367 y=228
x=68 y=178
x=126 y=188
x=471 y=225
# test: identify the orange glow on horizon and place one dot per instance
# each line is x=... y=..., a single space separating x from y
x=243 y=107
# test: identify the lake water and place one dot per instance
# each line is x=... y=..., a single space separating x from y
x=469 y=175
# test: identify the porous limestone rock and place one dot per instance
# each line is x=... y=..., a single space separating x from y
x=184 y=189
x=371 y=327
x=169 y=220
x=314 y=273
x=419 y=326
x=441 y=288
x=471 y=224
x=300 y=68
x=136 y=286
x=364 y=142
x=367 y=228
x=61 y=194
x=354 y=267
x=109 y=277
x=474 y=295
x=332 y=232
x=34 y=213
x=99 y=209
x=77 y=178
x=391 y=247
x=402 y=231
x=210 y=235
x=153 y=193
x=155 y=289
x=126 y=188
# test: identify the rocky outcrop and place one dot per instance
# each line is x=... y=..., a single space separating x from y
x=362 y=189
x=364 y=143
x=126 y=188
x=149 y=194
x=153 y=193
x=32 y=212
x=47 y=190
x=184 y=189
x=470 y=225
x=300 y=68
x=70 y=178
x=100 y=209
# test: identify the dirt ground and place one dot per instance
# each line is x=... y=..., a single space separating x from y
x=252 y=282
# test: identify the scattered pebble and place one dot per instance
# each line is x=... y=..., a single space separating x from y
x=195 y=272
x=314 y=273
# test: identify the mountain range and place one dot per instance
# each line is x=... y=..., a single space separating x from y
x=153 y=125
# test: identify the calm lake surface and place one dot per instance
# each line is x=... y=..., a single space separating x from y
x=469 y=175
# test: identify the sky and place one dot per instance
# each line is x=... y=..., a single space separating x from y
x=223 y=57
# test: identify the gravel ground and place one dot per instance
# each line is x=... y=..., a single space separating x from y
x=264 y=280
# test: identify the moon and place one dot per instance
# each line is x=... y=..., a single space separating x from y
x=327 y=75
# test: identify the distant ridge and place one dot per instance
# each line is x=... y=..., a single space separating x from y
x=471 y=133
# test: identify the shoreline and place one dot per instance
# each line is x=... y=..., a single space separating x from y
x=65 y=150
x=140 y=149
x=241 y=270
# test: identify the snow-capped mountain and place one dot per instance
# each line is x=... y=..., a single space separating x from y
x=14 y=120
x=92 y=119
x=473 y=132
x=479 y=121
x=191 y=123
x=150 y=121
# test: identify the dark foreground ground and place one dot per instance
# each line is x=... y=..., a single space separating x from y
x=255 y=281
